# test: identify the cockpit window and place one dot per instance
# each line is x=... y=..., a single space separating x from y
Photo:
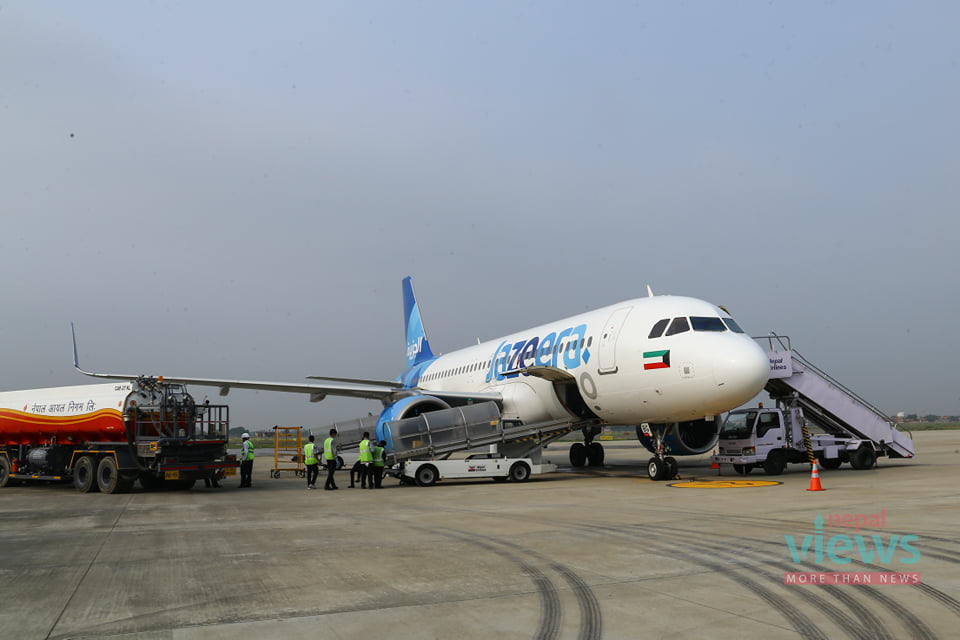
x=701 y=323
x=679 y=325
x=730 y=322
x=658 y=328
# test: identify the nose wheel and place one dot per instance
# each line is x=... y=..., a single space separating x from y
x=663 y=468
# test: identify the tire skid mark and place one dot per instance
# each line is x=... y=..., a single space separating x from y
x=913 y=625
x=844 y=621
x=800 y=622
x=591 y=622
x=932 y=592
x=551 y=609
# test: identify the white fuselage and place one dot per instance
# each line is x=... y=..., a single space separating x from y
x=624 y=375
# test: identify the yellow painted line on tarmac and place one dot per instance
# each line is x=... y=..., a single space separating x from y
x=723 y=484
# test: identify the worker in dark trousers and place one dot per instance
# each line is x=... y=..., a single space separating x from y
x=379 y=461
x=313 y=466
x=366 y=461
x=246 y=462
x=355 y=471
x=330 y=458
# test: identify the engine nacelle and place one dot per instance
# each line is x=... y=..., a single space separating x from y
x=408 y=407
x=681 y=438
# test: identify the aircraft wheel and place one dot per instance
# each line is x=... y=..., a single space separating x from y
x=595 y=454
x=775 y=463
x=673 y=467
x=108 y=476
x=578 y=454
x=656 y=469
x=426 y=475
x=520 y=472
x=743 y=469
x=84 y=475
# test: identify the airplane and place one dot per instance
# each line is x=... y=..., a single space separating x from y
x=669 y=365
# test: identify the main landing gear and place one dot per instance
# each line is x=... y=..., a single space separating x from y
x=587 y=452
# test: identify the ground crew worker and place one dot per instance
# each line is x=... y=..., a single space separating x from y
x=246 y=461
x=313 y=466
x=355 y=471
x=366 y=461
x=379 y=462
x=330 y=458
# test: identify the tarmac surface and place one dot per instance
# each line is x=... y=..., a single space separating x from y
x=600 y=553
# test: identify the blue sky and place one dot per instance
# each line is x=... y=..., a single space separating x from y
x=237 y=189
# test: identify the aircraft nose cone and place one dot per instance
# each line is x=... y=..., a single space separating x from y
x=741 y=368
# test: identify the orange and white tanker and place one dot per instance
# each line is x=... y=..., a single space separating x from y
x=107 y=436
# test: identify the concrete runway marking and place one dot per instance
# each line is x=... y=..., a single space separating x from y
x=722 y=484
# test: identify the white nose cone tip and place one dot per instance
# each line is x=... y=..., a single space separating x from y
x=741 y=369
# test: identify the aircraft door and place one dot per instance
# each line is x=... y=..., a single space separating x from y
x=607 y=350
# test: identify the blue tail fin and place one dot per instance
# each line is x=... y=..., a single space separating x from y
x=418 y=349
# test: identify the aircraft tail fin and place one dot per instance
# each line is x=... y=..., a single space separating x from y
x=418 y=348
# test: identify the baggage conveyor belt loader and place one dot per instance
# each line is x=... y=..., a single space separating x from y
x=419 y=448
x=814 y=416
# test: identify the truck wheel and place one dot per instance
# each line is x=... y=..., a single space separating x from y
x=863 y=458
x=578 y=454
x=426 y=475
x=775 y=463
x=125 y=483
x=743 y=469
x=829 y=463
x=656 y=468
x=108 y=476
x=595 y=454
x=5 y=472
x=85 y=475
x=519 y=472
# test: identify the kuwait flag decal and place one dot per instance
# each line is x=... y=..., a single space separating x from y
x=656 y=359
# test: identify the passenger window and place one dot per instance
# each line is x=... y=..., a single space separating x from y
x=658 y=328
x=679 y=325
x=701 y=323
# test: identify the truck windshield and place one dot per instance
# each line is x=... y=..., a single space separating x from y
x=738 y=426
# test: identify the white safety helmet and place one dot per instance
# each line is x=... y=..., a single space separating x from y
x=245 y=435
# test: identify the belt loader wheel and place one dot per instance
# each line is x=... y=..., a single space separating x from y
x=519 y=472
x=84 y=474
x=426 y=475
x=108 y=476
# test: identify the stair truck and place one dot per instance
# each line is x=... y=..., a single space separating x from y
x=840 y=425
x=107 y=436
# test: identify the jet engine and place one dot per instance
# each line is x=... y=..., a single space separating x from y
x=681 y=438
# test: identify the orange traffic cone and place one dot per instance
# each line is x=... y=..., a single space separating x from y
x=714 y=465
x=815 y=479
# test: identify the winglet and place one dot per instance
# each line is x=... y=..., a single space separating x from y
x=76 y=363
x=418 y=348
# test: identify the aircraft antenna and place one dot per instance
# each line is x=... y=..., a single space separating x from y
x=649 y=292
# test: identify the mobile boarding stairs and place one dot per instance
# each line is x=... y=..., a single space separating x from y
x=829 y=405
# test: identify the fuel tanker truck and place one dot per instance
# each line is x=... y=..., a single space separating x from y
x=107 y=436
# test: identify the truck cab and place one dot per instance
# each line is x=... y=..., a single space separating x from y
x=762 y=437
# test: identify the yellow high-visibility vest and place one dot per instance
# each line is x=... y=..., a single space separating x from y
x=365 y=454
x=328 y=448
x=308 y=455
